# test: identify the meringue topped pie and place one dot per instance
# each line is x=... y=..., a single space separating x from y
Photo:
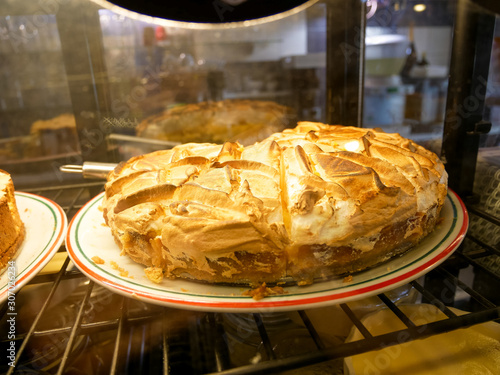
x=304 y=204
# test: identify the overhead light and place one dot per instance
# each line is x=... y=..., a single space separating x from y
x=206 y=14
x=419 y=7
x=374 y=40
x=371 y=5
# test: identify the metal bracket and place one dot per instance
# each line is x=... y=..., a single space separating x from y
x=480 y=127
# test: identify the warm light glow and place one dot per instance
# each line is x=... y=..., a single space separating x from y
x=371 y=5
x=419 y=7
x=351 y=146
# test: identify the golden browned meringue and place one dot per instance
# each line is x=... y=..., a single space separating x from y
x=306 y=203
x=12 y=230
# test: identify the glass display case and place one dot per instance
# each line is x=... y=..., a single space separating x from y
x=89 y=81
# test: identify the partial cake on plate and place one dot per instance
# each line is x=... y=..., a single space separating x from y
x=12 y=230
x=306 y=203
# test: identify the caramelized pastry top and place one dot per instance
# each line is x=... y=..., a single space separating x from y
x=315 y=184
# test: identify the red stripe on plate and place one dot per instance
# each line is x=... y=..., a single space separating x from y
x=59 y=235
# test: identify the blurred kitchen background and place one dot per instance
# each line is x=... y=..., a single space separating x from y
x=143 y=68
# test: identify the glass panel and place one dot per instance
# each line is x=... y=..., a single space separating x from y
x=149 y=69
x=408 y=46
x=260 y=78
x=76 y=78
x=33 y=89
x=492 y=111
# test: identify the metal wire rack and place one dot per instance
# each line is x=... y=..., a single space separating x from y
x=72 y=326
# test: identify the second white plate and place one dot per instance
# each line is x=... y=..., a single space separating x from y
x=46 y=225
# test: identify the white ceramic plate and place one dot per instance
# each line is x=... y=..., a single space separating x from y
x=88 y=237
x=46 y=225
